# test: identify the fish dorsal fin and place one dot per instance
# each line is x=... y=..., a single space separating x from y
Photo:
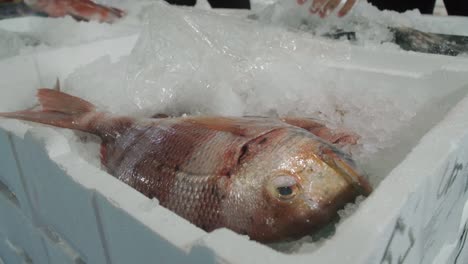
x=223 y=124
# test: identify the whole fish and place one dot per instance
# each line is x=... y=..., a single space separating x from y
x=411 y=39
x=266 y=178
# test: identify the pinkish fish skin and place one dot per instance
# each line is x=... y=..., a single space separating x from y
x=80 y=9
x=267 y=178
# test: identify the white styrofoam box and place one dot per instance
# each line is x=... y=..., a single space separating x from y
x=10 y=253
x=457 y=245
x=20 y=24
x=10 y=178
x=57 y=213
x=433 y=198
x=418 y=206
x=19 y=241
x=22 y=242
x=70 y=211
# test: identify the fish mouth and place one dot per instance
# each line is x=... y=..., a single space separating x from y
x=360 y=184
x=321 y=214
x=344 y=166
x=339 y=184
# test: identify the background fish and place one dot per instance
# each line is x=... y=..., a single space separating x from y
x=79 y=9
x=261 y=177
x=411 y=39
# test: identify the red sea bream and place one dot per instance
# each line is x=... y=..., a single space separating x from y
x=270 y=179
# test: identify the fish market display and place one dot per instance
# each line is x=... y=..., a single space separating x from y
x=270 y=179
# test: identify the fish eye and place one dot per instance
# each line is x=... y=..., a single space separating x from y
x=285 y=191
x=285 y=187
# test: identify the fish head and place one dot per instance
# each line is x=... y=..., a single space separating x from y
x=300 y=182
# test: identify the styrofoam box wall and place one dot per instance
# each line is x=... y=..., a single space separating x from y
x=56 y=208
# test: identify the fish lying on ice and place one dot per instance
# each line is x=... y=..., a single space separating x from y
x=407 y=38
x=266 y=178
x=411 y=39
x=79 y=9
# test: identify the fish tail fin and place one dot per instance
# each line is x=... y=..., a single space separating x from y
x=58 y=109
